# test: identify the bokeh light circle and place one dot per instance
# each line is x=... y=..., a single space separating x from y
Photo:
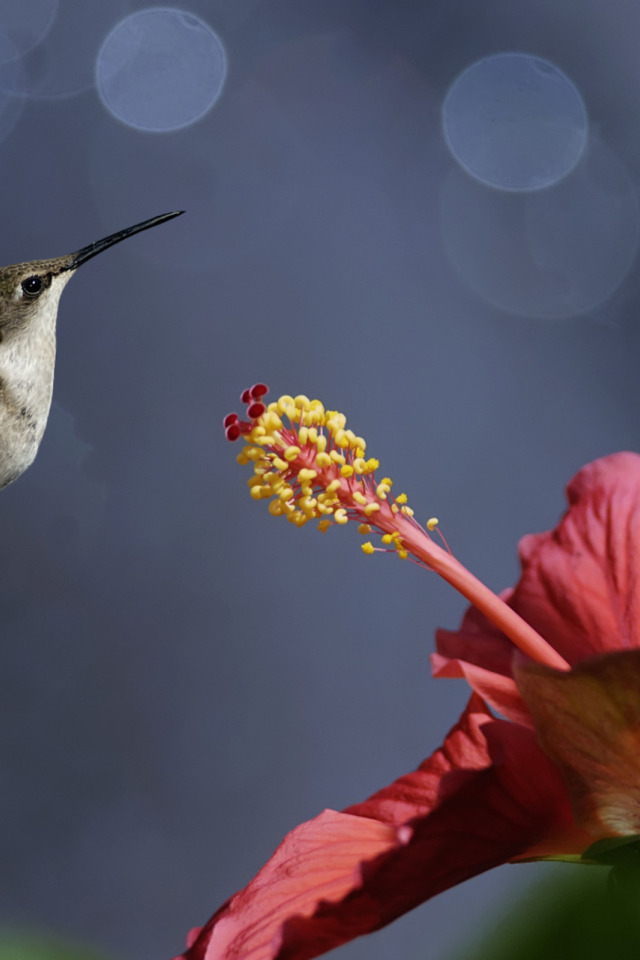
x=161 y=69
x=551 y=254
x=515 y=122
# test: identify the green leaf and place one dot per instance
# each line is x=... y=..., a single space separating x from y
x=27 y=946
x=572 y=915
x=614 y=851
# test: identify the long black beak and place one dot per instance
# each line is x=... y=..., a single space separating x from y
x=81 y=256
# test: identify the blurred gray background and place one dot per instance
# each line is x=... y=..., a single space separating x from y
x=185 y=678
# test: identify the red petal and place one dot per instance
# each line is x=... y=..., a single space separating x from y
x=580 y=586
x=588 y=722
x=478 y=641
x=319 y=862
x=580 y=583
x=416 y=793
x=483 y=656
x=488 y=795
x=499 y=691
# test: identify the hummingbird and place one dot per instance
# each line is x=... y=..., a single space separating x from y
x=29 y=297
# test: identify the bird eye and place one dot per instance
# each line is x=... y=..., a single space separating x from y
x=32 y=286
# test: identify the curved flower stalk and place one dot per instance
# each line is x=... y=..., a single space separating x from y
x=557 y=774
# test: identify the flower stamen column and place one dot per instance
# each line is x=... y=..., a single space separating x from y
x=315 y=468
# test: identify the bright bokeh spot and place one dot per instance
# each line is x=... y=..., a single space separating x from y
x=551 y=254
x=515 y=122
x=161 y=69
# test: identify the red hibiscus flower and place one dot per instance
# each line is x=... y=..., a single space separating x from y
x=557 y=659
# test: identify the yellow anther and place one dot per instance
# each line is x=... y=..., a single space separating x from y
x=387 y=538
x=387 y=480
x=394 y=509
x=340 y=437
x=401 y=498
x=315 y=413
x=362 y=444
x=271 y=420
x=359 y=465
x=371 y=508
x=321 y=444
x=279 y=463
x=360 y=498
x=335 y=420
x=258 y=493
x=254 y=481
x=432 y=523
x=351 y=437
x=301 y=401
x=408 y=512
x=382 y=490
x=323 y=460
x=337 y=457
x=341 y=515
x=303 y=435
x=276 y=509
x=372 y=464
x=333 y=486
x=346 y=470
x=312 y=434
x=364 y=529
x=286 y=493
x=324 y=508
x=306 y=474
x=324 y=525
x=242 y=459
x=367 y=547
x=291 y=453
x=403 y=554
x=274 y=480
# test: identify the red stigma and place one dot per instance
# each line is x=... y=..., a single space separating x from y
x=234 y=427
x=256 y=410
x=258 y=390
x=254 y=393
